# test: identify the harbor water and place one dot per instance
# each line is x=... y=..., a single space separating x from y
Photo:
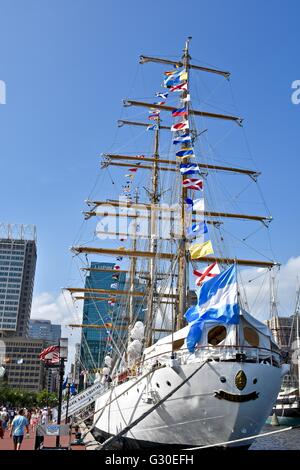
x=288 y=440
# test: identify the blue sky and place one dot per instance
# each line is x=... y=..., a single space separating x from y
x=67 y=64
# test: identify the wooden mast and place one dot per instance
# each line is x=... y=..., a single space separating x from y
x=183 y=259
x=154 y=199
x=132 y=272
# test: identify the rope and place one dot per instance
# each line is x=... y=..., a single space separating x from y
x=115 y=398
x=244 y=438
x=144 y=415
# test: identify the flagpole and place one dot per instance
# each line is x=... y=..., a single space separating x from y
x=60 y=390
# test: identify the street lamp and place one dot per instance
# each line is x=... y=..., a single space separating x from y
x=63 y=356
x=69 y=382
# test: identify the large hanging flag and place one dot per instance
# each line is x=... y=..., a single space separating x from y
x=189 y=168
x=217 y=301
x=198 y=250
x=195 y=205
x=211 y=271
x=185 y=152
x=180 y=112
x=192 y=183
x=180 y=87
x=180 y=126
x=197 y=229
x=50 y=355
x=164 y=96
x=152 y=127
x=180 y=139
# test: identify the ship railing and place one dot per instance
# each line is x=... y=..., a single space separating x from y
x=219 y=352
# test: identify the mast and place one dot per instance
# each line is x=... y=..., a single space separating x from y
x=154 y=198
x=183 y=259
x=132 y=271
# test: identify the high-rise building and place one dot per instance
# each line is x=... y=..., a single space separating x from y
x=44 y=329
x=17 y=270
x=94 y=341
x=283 y=330
x=24 y=369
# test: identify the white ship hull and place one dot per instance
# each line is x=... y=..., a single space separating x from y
x=194 y=415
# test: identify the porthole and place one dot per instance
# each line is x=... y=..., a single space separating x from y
x=168 y=383
x=255 y=381
x=251 y=336
x=223 y=379
x=216 y=335
x=157 y=385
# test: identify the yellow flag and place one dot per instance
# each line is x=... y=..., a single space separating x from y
x=183 y=76
x=198 y=250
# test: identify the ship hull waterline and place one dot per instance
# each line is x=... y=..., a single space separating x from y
x=208 y=410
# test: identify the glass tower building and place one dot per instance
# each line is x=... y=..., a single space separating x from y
x=98 y=312
x=17 y=271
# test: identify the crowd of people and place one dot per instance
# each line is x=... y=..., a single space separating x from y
x=17 y=421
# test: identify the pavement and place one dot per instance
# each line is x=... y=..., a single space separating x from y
x=28 y=442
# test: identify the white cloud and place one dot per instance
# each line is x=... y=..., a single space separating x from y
x=61 y=310
x=287 y=280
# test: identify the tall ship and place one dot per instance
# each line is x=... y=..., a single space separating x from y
x=287 y=406
x=186 y=363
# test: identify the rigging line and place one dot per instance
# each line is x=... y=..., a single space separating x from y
x=262 y=285
x=211 y=93
x=254 y=232
x=244 y=189
x=242 y=439
x=246 y=244
x=112 y=439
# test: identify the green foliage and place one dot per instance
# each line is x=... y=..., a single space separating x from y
x=24 y=398
x=45 y=398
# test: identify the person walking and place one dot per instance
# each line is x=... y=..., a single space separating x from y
x=17 y=429
x=5 y=418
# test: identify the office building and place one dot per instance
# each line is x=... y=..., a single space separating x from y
x=24 y=369
x=44 y=329
x=17 y=271
x=94 y=341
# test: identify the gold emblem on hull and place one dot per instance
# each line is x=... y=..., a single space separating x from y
x=240 y=380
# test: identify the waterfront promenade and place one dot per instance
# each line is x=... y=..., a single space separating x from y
x=28 y=443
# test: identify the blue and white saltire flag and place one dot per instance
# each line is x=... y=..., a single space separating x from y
x=182 y=138
x=218 y=301
x=198 y=228
x=153 y=127
x=189 y=168
x=194 y=205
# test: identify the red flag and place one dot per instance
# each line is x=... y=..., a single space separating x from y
x=181 y=87
x=180 y=126
x=117 y=266
x=192 y=183
x=133 y=170
x=50 y=354
x=210 y=271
